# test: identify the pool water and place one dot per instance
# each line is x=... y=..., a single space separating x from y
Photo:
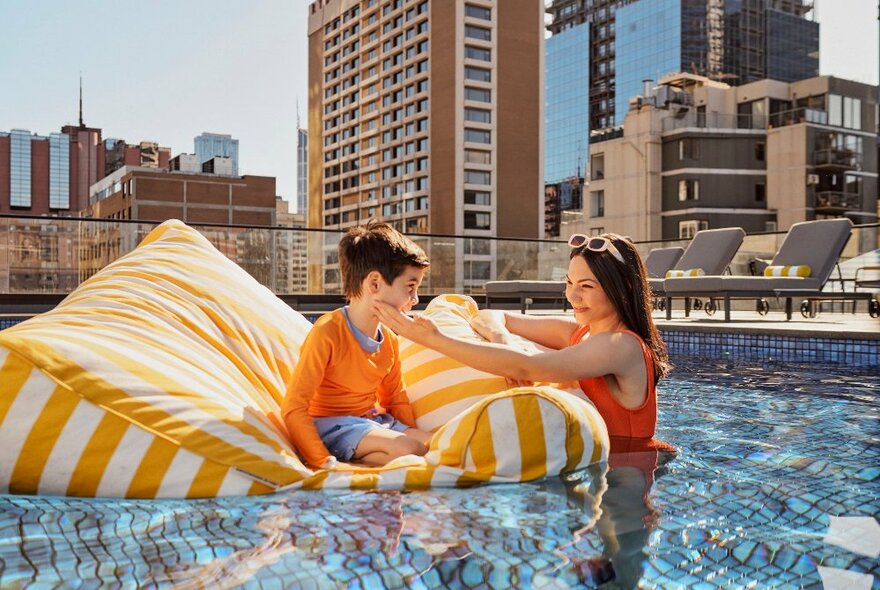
x=777 y=484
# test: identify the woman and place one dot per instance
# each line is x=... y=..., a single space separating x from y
x=612 y=347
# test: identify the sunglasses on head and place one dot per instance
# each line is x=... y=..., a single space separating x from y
x=595 y=244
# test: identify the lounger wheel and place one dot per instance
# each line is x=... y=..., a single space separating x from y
x=874 y=308
x=762 y=306
x=805 y=308
x=697 y=304
x=711 y=307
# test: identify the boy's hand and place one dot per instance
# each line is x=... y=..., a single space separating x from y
x=419 y=329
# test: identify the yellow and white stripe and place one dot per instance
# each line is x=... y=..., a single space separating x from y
x=162 y=375
x=690 y=272
x=798 y=270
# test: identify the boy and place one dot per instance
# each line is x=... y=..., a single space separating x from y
x=348 y=361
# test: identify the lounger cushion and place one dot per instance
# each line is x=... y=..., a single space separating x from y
x=704 y=286
x=712 y=250
x=162 y=375
x=798 y=270
x=817 y=244
x=690 y=272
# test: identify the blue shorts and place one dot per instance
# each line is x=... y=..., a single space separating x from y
x=342 y=434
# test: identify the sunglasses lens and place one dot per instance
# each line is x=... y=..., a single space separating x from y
x=577 y=240
x=597 y=244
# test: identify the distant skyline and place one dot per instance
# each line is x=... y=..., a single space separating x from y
x=167 y=71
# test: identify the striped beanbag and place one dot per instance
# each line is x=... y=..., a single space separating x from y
x=162 y=376
x=440 y=387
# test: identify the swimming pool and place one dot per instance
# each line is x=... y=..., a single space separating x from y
x=777 y=485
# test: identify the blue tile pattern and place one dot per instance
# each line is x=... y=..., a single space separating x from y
x=850 y=352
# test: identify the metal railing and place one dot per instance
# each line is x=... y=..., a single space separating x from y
x=838 y=201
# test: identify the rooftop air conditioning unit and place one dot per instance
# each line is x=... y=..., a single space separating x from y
x=812 y=179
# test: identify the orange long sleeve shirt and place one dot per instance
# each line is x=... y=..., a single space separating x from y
x=336 y=377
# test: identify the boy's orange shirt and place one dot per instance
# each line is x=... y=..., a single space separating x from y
x=336 y=377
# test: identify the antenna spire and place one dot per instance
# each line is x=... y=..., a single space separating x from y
x=81 y=124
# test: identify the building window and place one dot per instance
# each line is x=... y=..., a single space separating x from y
x=19 y=168
x=687 y=229
x=597 y=231
x=688 y=149
x=477 y=115
x=689 y=190
x=477 y=53
x=477 y=12
x=59 y=171
x=477 y=94
x=477 y=74
x=760 y=192
x=477 y=177
x=477 y=33
x=597 y=203
x=477 y=220
x=477 y=270
x=477 y=157
x=478 y=135
x=477 y=198
x=760 y=151
x=477 y=246
x=597 y=167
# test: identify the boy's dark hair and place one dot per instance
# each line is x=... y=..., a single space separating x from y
x=375 y=246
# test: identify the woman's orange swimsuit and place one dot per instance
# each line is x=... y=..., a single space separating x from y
x=630 y=430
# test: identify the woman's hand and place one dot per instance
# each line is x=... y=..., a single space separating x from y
x=418 y=329
x=490 y=325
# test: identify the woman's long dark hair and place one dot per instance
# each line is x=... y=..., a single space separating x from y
x=626 y=286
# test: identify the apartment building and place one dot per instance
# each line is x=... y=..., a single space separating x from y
x=426 y=114
x=699 y=154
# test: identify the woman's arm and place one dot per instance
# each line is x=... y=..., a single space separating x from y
x=496 y=325
x=603 y=354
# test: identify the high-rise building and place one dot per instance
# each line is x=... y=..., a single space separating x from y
x=290 y=251
x=209 y=145
x=426 y=114
x=302 y=172
x=734 y=41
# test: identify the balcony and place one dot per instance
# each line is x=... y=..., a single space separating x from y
x=836 y=202
x=797 y=116
x=836 y=160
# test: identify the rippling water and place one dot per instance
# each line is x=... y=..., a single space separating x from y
x=776 y=484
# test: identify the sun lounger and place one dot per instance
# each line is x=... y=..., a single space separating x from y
x=709 y=253
x=526 y=291
x=660 y=260
x=816 y=245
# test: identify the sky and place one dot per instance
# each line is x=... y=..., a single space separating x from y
x=168 y=70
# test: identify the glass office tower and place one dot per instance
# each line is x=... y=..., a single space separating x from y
x=567 y=83
x=648 y=45
x=733 y=41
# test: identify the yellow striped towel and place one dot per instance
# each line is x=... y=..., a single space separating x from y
x=799 y=270
x=691 y=272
